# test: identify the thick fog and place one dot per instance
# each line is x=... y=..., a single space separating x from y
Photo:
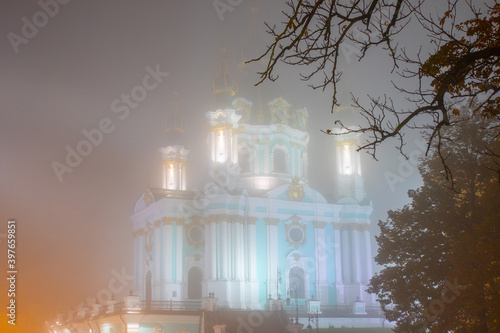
x=66 y=77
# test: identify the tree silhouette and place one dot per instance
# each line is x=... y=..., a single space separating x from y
x=463 y=66
x=440 y=254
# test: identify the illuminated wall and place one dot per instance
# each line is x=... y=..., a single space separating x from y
x=256 y=229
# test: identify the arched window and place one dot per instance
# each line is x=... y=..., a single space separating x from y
x=296 y=283
x=148 y=290
x=220 y=147
x=195 y=278
x=279 y=161
x=244 y=160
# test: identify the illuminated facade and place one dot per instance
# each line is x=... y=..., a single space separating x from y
x=254 y=235
x=257 y=230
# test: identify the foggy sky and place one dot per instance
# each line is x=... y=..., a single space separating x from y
x=73 y=233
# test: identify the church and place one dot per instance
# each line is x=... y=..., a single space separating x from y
x=257 y=230
x=255 y=237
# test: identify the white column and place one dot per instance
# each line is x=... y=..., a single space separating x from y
x=339 y=157
x=164 y=168
x=178 y=252
x=320 y=249
x=338 y=253
x=367 y=256
x=183 y=176
x=356 y=262
x=239 y=256
x=136 y=261
x=272 y=251
x=228 y=145
x=208 y=258
x=156 y=292
x=224 y=249
x=230 y=252
x=346 y=256
x=213 y=250
x=252 y=249
x=140 y=267
x=167 y=252
x=175 y=171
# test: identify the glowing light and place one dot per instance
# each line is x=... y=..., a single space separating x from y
x=263 y=183
x=221 y=151
x=171 y=179
x=347 y=163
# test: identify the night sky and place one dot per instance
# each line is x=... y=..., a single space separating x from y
x=62 y=79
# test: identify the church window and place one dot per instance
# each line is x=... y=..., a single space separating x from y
x=296 y=234
x=347 y=167
x=279 y=160
x=220 y=147
x=196 y=234
x=244 y=160
x=171 y=177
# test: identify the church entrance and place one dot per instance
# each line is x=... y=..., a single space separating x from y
x=296 y=280
x=195 y=277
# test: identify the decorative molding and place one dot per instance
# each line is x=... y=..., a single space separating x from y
x=229 y=218
x=295 y=191
x=168 y=220
x=138 y=233
x=351 y=226
x=238 y=130
x=295 y=227
x=252 y=219
x=148 y=199
x=149 y=231
x=221 y=127
x=246 y=106
x=271 y=220
x=191 y=227
x=320 y=224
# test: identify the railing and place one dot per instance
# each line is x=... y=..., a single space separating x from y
x=332 y=311
x=193 y=305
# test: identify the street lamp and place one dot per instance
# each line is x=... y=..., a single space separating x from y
x=313 y=317
x=296 y=303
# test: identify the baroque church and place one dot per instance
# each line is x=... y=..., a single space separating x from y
x=257 y=230
x=254 y=246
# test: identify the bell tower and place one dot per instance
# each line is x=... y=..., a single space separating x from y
x=222 y=138
x=174 y=167
x=223 y=122
x=349 y=176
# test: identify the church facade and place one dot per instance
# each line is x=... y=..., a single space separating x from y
x=256 y=230
x=255 y=237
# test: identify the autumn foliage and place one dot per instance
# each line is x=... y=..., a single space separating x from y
x=440 y=254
